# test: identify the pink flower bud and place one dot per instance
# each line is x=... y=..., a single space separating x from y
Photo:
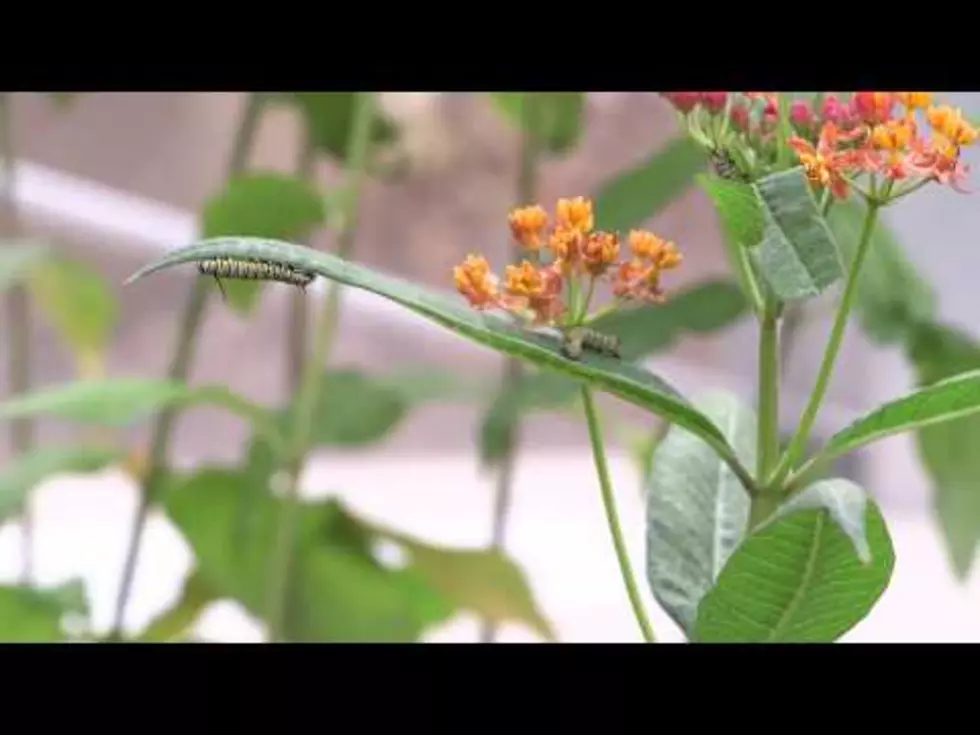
x=801 y=114
x=714 y=101
x=833 y=111
x=739 y=116
x=683 y=101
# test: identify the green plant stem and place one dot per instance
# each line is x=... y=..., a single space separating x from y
x=799 y=442
x=191 y=321
x=22 y=430
x=768 y=431
x=609 y=503
x=298 y=315
x=527 y=185
x=308 y=396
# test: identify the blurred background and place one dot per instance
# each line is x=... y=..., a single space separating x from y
x=119 y=178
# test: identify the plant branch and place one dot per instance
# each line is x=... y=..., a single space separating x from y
x=799 y=442
x=609 y=503
x=191 y=321
x=298 y=316
x=22 y=430
x=308 y=396
x=527 y=186
x=767 y=441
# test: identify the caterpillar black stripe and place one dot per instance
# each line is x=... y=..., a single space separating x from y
x=725 y=166
x=254 y=270
x=580 y=339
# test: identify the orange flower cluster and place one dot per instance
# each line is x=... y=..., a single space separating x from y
x=889 y=140
x=578 y=254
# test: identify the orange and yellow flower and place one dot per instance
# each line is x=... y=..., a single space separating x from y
x=535 y=291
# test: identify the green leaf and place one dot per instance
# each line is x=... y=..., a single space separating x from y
x=798 y=255
x=262 y=205
x=637 y=194
x=339 y=592
x=18 y=258
x=175 y=623
x=355 y=410
x=79 y=304
x=32 y=615
x=697 y=511
x=557 y=118
x=949 y=451
x=329 y=116
x=481 y=581
x=120 y=401
x=22 y=474
x=629 y=382
x=813 y=571
x=947 y=400
x=892 y=297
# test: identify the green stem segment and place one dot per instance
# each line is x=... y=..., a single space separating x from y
x=527 y=186
x=768 y=431
x=191 y=321
x=19 y=325
x=308 y=396
x=799 y=443
x=609 y=503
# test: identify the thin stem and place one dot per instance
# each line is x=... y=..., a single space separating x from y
x=527 y=186
x=308 y=396
x=191 y=321
x=609 y=503
x=298 y=316
x=767 y=442
x=22 y=430
x=799 y=442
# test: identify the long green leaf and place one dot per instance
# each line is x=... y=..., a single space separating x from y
x=697 y=511
x=947 y=400
x=949 y=451
x=812 y=572
x=629 y=382
x=120 y=401
x=636 y=195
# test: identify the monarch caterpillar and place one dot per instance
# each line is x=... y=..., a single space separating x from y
x=253 y=270
x=725 y=166
x=579 y=339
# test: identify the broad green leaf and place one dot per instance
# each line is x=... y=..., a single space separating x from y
x=329 y=116
x=697 y=511
x=892 y=297
x=355 y=410
x=120 y=401
x=946 y=400
x=636 y=195
x=175 y=624
x=798 y=255
x=481 y=581
x=79 y=304
x=625 y=380
x=556 y=120
x=18 y=258
x=262 y=205
x=32 y=615
x=949 y=451
x=813 y=571
x=21 y=474
x=339 y=592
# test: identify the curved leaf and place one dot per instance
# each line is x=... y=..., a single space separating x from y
x=636 y=195
x=21 y=474
x=329 y=116
x=946 y=400
x=798 y=255
x=629 y=382
x=697 y=511
x=809 y=574
x=262 y=205
x=32 y=615
x=354 y=410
